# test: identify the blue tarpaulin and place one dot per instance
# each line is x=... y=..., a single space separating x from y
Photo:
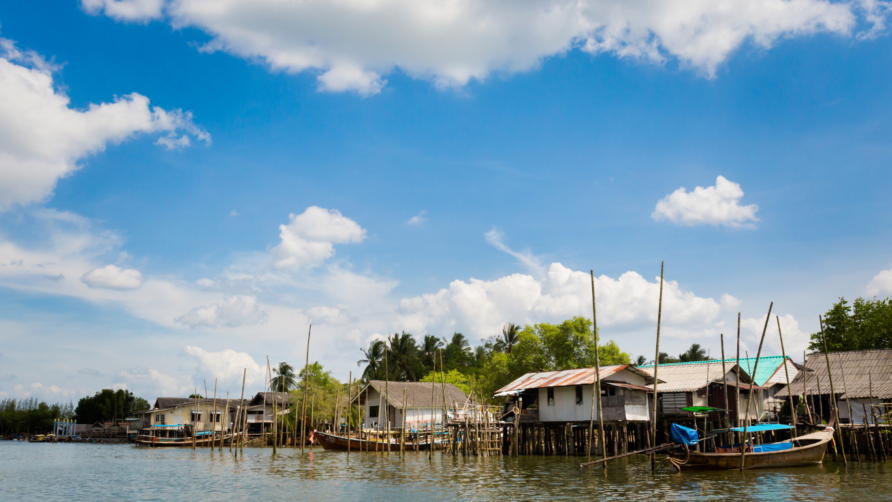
x=683 y=435
x=762 y=448
x=764 y=427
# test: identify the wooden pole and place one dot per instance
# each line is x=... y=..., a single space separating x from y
x=804 y=386
x=223 y=425
x=849 y=406
x=214 y=429
x=303 y=415
x=275 y=408
x=337 y=413
x=430 y=451
x=749 y=396
x=386 y=399
x=349 y=410
x=596 y=383
x=737 y=396
x=194 y=425
x=653 y=457
x=403 y=429
x=241 y=404
x=833 y=403
x=725 y=387
x=787 y=373
x=443 y=385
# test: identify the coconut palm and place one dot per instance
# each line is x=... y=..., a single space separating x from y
x=284 y=379
x=457 y=353
x=374 y=360
x=403 y=358
x=641 y=361
x=509 y=338
x=429 y=350
x=695 y=353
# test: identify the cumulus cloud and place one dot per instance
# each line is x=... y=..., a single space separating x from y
x=418 y=219
x=112 y=277
x=881 y=284
x=238 y=310
x=795 y=340
x=161 y=383
x=309 y=238
x=715 y=205
x=125 y=10
x=628 y=302
x=89 y=372
x=353 y=43
x=42 y=138
x=227 y=365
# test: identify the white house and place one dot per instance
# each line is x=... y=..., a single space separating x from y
x=424 y=402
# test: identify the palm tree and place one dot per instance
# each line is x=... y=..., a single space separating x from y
x=641 y=361
x=374 y=359
x=429 y=349
x=457 y=352
x=284 y=379
x=509 y=337
x=403 y=360
x=695 y=353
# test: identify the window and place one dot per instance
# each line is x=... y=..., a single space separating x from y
x=196 y=416
x=578 y=395
x=159 y=419
x=551 y=397
x=373 y=412
x=217 y=418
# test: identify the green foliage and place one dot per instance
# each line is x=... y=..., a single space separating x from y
x=693 y=354
x=865 y=325
x=464 y=382
x=610 y=354
x=323 y=391
x=108 y=405
x=283 y=381
x=31 y=415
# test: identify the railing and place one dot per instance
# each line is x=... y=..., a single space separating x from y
x=258 y=419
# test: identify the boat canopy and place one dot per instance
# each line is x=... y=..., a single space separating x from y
x=764 y=427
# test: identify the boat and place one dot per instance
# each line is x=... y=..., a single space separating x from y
x=339 y=443
x=803 y=450
x=178 y=436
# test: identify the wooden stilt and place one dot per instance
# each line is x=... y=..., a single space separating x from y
x=303 y=415
x=653 y=458
x=787 y=374
x=832 y=393
x=749 y=396
x=596 y=383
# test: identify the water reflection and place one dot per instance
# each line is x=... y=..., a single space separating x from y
x=101 y=472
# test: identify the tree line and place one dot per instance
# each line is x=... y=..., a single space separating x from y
x=863 y=325
x=31 y=415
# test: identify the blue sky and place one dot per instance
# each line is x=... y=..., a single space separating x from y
x=152 y=249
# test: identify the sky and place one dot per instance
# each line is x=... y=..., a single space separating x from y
x=187 y=185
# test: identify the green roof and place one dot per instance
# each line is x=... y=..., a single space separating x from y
x=768 y=365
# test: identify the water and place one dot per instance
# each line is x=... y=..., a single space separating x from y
x=106 y=472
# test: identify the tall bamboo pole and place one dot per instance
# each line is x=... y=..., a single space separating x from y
x=445 y=406
x=805 y=387
x=241 y=404
x=275 y=409
x=430 y=452
x=737 y=396
x=223 y=425
x=215 y=421
x=725 y=389
x=653 y=457
x=194 y=425
x=787 y=373
x=349 y=410
x=849 y=406
x=833 y=402
x=303 y=415
x=749 y=396
x=596 y=382
x=403 y=430
x=386 y=399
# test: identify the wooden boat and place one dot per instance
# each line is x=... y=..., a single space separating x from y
x=339 y=443
x=806 y=450
x=179 y=438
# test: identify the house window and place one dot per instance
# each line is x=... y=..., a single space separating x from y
x=551 y=397
x=578 y=395
x=217 y=418
x=196 y=416
x=373 y=411
x=159 y=419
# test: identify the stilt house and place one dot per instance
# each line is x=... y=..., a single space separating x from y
x=424 y=402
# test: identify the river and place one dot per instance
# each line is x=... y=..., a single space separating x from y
x=124 y=472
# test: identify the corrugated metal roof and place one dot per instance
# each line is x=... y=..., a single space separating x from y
x=688 y=377
x=767 y=370
x=565 y=378
x=858 y=367
x=418 y=394
x=629 y=386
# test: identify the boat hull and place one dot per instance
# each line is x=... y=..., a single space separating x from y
x=182 y=442
x=811 y=452
x=339 y=443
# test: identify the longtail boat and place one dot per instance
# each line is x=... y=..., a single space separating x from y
x=339 y=443
x=179 y=436
x=804 y=450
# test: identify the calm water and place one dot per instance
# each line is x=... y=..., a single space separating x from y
x=105 y=472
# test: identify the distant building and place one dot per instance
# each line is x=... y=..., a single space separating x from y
x=424 y=402
x=862 y=380
x=566 y=396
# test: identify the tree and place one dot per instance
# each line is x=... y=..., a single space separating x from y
x=110 y=405
x=610 y=354
x=666 y=359
x=403 y=358
x=640 y=361
x=284 y=379
x=693 y=354
x=455 y=377
x=457 y=352
x=509 y=337
x=429 y=350
x=865 y=325
x=196 y=396
x=374 y=360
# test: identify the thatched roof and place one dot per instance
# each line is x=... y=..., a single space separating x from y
x=854 y=374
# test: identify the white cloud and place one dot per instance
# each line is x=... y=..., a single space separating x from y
x=227 y=365
x=418 y=219
x=352 y=43
x=233 y=213
x=729 y=302
x=162 y=384
x=238 y=310
x=328 y=315
x=716 y=205
x=125 y=10
x=881 y=284
x=112 y=277
x=42 y=138
x=795 y=340
x=527 y=258
x=309 y=238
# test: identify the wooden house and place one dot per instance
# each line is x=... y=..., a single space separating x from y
x=202 y=414
x=260 y=410
x=566 y=396
x=424 y=403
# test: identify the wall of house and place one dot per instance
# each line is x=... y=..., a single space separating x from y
x=565 y=409
x=858 y=406
x=182 y=415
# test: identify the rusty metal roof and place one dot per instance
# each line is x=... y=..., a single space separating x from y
x=852 y=371
x=565 y=378
x=629 y=386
